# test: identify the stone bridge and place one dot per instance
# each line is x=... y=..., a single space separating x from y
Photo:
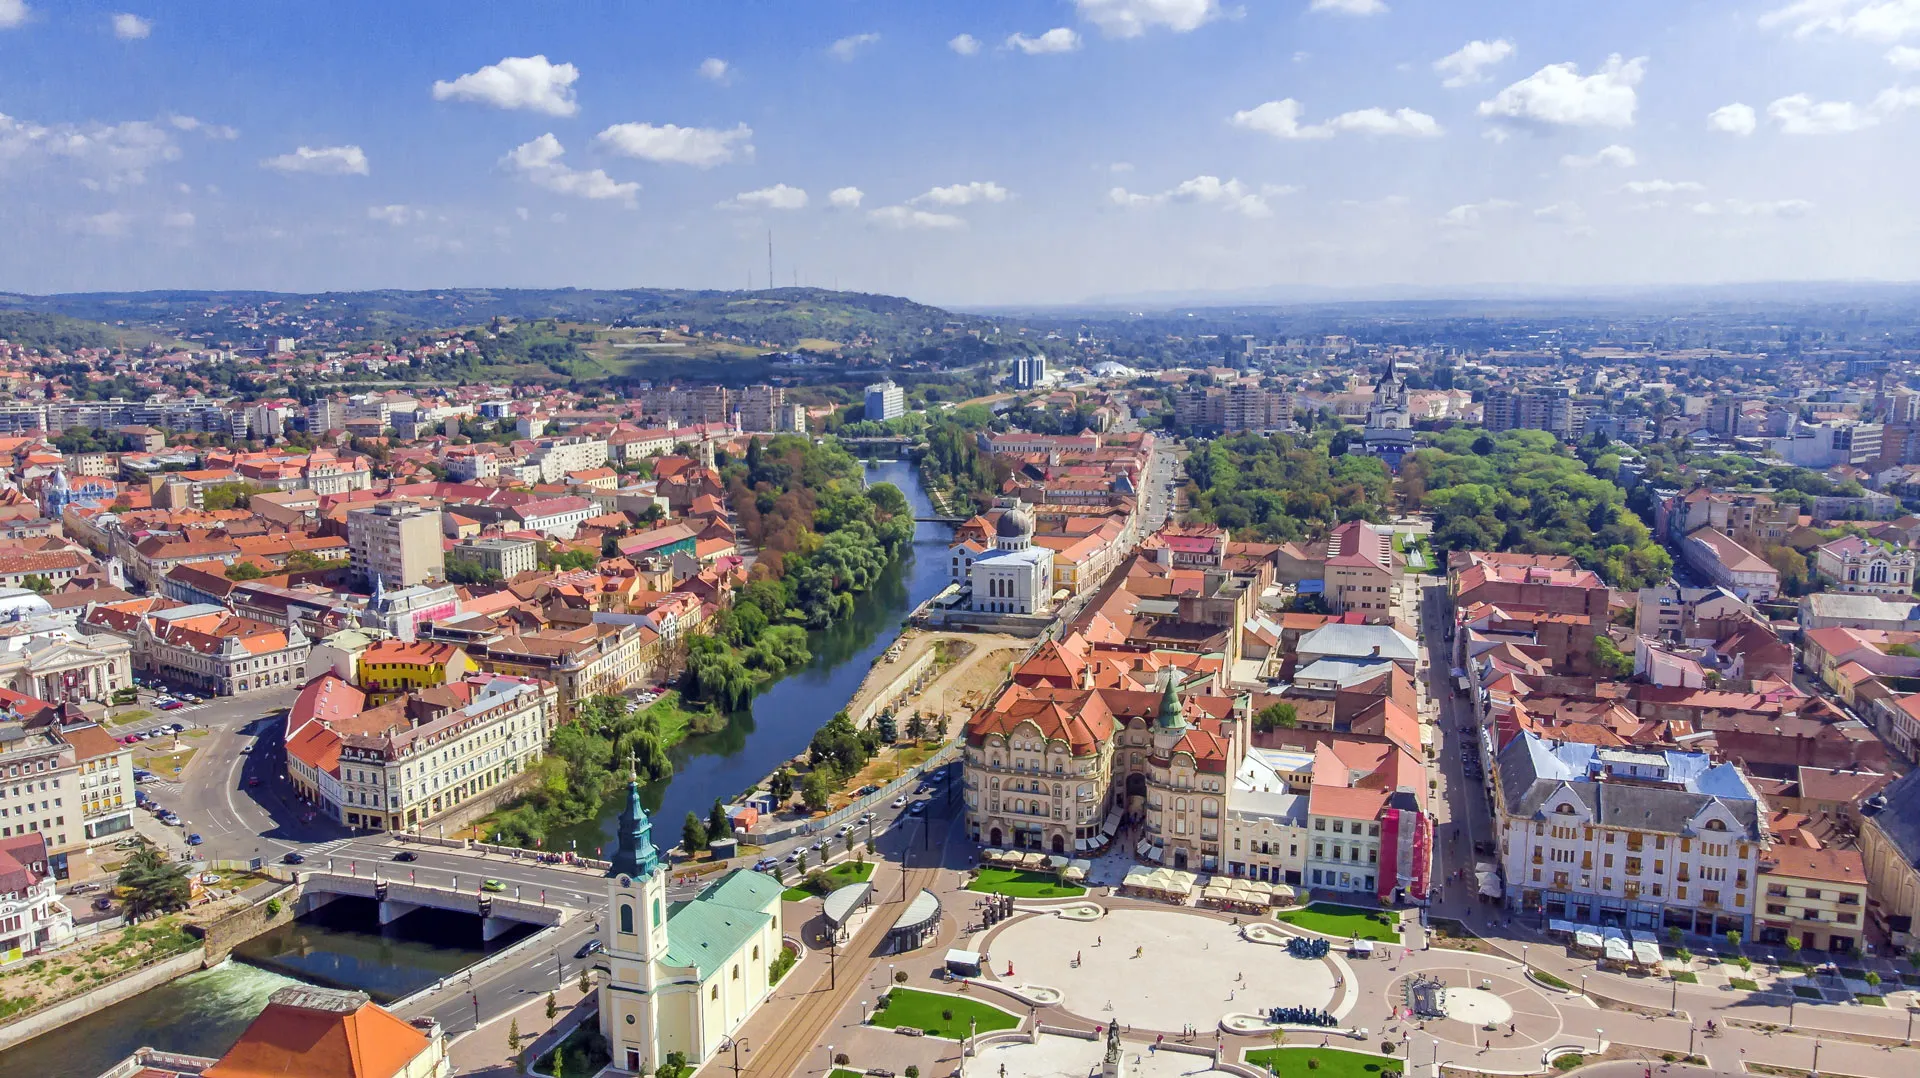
x=397 y=898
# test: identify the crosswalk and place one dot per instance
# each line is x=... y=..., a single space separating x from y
x=326 y=848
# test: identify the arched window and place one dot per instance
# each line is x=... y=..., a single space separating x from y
x=756 y=952
x=1716 y=825
x=736 y=973
x=714 y=992
x=626 y=918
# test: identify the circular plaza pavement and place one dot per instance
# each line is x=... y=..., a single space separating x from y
x=1190 y=969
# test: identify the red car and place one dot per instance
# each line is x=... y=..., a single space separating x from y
x=129 y=739
x=253 y=781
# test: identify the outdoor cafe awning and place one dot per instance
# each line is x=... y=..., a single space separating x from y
x=1618 y=950
x=1646 y=954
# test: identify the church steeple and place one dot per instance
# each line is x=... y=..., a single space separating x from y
x=635 y=855
x=1172 y=716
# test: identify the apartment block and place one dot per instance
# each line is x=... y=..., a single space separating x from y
x=396 y=543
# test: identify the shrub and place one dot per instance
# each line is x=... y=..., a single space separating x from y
x=840 y=1059
x=1313 y=1063
x=912 y=1071
x=900 y=977
x=1568 y=1062
x=273 y=907
x=947 y=1014
x=1386 y=1048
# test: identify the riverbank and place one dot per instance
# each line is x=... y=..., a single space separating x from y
x=784 y=715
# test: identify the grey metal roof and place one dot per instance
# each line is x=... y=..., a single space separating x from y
x=1357 y=641
x=1900 y=820
x=1531 y=773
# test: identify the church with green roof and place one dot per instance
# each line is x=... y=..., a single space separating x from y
x=685 y=979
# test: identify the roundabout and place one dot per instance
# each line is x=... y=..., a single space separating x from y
x=1484 y=1006
x=1157 y=969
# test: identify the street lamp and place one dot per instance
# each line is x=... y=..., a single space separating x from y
x=1909 y=1039
x=829 y=1059
x=1815 y=1073
x=735 y=1044
x=1583 y=984
x=1523 y=958
x=1674 y=1004
x=1690 y=1032
x=1599 y=1039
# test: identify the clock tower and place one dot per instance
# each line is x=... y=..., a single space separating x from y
x=635 y=938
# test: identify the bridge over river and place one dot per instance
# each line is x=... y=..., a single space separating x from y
x=498 y=913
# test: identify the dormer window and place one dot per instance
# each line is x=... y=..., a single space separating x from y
x=1716 y=825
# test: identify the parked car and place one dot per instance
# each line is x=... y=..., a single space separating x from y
x=172 y=705
x=406 y=855
x=195 y=839
x=919 y=809
x=494 y=886
x=103 y=903
x=592 y=946
x=293 y=858
x=900 y=802
x=253 y=781
x=83 y=888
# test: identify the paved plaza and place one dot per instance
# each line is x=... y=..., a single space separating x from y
x=1072 y=1057
x=1157 y=969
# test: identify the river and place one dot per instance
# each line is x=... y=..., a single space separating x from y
x=202 y=1014
x=783 y=718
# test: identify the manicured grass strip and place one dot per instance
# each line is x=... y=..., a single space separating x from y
x=1346 y=921
x=940 y=1016
x=1547 y=978
x=1329 y=1063
x=842 y=1072
x=584 y=1052
x=825 y=883
x=1686 y=977
x=1022 y=884
x=1743 y=984
x=1568 y=1062
x=1871 y=1001
x=1804 y=992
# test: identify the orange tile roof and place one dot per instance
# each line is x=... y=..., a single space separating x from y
x=308 y=1042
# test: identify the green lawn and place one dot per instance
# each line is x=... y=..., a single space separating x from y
x=1023 y=884
x=825 y=883
x=1686 y=977
x=1871 y=1001
x=1743 y=984
x=1292 y=1063
x=1345 y=921
x=585 y=1052
x=928 y=1011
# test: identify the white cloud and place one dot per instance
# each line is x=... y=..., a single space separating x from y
x=395 y=214
x=1735 y=207
x=1897 y=99
x=131 y=27
x=1132 y=18
x=1350 y=7
x=113 y=154
x=702 y=147
x=517 y=82
x=13 y=13
x=1058 y=39
x=714 y=69
x=324 y=161
x=213 y=131
x=1734 y=119
x=1616 y=155
x=1472 y=213
x=777 y=197
x=1873 y=20
x=1559 y=94
x=853 y=45
x=1469 y=62
x=964 y=44
x=1560 y=211
x=1230 y=195
x=908 y=217
x=110 y=223
x=1661 y=187
x=845 y=198
x=1377 y=121
x=178 y=219
x=1904 y=57
x=963 y=194
x=1798 y=114
x=1281 y=119
x=539 y=161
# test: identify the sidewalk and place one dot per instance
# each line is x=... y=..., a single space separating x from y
x=484 y=1051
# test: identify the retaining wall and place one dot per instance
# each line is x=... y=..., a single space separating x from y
x=902 y=681
x=219 y=937
x=34 y=1023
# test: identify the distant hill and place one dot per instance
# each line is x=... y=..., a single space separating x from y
x=786 y=317
x=58 y=332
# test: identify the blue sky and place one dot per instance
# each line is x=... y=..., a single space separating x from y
x=1061 y=150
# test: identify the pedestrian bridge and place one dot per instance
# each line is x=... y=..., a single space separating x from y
x=396 y=898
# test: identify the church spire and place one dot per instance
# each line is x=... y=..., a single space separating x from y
x=635 y=855
x=1172 y=716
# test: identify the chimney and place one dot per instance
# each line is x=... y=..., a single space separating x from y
x=1376 y=651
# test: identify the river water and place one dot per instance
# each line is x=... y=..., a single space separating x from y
x=203 y=1013
x=784 y=717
